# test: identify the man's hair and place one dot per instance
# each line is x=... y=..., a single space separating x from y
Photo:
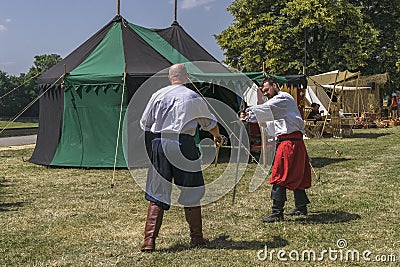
x=269 y=79
x=178 y=71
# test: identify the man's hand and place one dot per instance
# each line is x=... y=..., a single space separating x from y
x=243 y=116
x=220 y=140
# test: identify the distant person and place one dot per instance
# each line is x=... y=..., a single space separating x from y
x=394 y=105
x=291 y=168
x=398 y=108
x=172 y=116
x=315 y=114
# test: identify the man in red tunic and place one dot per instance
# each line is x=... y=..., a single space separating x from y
x=291 y=168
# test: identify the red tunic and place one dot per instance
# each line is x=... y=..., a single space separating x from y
x=291 y=167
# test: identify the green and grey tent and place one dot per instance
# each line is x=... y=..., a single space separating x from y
x=84 y=94
x=80 y=106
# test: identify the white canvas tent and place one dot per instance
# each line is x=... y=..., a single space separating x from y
x=317 y=84
x=331 y=77
x=319 y=96
x=346 y=88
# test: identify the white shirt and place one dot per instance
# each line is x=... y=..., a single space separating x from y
x=176 y=109
x=280 y=113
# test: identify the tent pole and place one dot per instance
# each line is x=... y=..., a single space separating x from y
x=119 y=127
x=356 y=96
x=176 y=11
x=342 y=102
x=118 y=7
x=64 y=74
x=330 y=102
x=305 y=52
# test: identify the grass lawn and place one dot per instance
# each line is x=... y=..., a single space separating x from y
x=17 y=124
x=71 y=217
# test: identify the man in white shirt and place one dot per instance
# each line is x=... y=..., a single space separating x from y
x=172 y=116
x=291 y=168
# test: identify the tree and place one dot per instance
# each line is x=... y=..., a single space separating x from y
x=26 y=87
x=44 y=62
x=291 y=36
x=13 y=94
x=5 y=86
x=384 y=15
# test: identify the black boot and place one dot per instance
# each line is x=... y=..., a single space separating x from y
x=278 y=196
x=277 y=212
x=297 y=211
x=301 y=200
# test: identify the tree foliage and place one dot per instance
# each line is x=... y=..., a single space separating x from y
x=318 y=35
x=44 y=62
x=384 y=15
x=17 y=92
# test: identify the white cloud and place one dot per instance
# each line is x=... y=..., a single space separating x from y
x=3 y=28
x=207 y=8
x=189 y=4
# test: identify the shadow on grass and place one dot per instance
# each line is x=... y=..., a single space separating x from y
x=11 y=206
x=223 y=242
x=369 y=135
x=320 y=162
x=328 y=217
x=5 y=183
x=2 y=183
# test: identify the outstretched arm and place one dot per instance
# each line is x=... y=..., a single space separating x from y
x=219 y=139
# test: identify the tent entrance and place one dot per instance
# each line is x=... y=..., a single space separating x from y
x=90 y=124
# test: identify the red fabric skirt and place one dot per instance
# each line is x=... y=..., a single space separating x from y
x=291 y=167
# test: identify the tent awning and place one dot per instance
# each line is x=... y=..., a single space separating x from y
x=331 y=77
x=346 y=88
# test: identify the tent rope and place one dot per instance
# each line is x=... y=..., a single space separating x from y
x=119 y=129
x=233 y=134
x=19 y=86
x=29 y=105
x=337 y=152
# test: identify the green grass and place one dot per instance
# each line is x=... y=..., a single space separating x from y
x=17 y=124
x=71 y=217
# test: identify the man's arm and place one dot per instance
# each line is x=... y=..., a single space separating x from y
x=219 y=139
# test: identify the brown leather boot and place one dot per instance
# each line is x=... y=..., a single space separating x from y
x=153 y=223
x=193 y=217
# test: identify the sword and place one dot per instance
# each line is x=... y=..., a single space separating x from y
x=216 y=156
x=222 y=140
x=237 y=163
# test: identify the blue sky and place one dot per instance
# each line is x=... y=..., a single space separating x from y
x=35 y=27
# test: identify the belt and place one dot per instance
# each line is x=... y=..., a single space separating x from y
x=169 y=135
x=287 y=139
